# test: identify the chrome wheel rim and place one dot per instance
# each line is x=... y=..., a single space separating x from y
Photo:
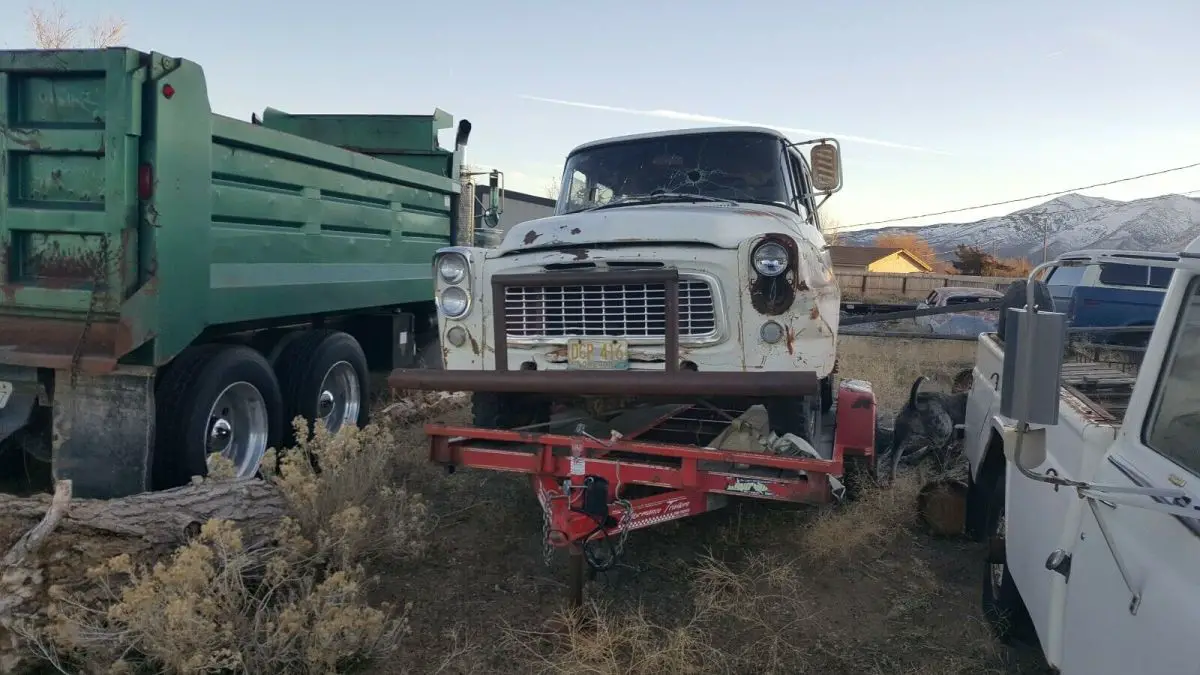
x=238 y=429
x=339 y=398
x=997 y=569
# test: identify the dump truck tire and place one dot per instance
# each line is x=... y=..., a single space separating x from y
x=191 y=424
x=323 y=376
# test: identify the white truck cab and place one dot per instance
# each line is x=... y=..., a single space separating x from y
x=1085 y=480
x=688 y=260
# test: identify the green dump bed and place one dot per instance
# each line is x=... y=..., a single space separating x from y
x=132 y=218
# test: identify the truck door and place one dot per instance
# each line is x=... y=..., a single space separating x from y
x=1146 y=619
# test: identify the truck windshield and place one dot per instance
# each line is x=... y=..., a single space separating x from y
x=739 y=166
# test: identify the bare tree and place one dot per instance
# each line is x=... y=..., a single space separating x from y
x=553 y=187
x=831 y=227
x=52 y=28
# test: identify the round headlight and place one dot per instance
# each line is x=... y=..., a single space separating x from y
x=770 y=259
x=453 y=302
x=452 y=268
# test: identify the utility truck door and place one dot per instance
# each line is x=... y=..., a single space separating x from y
x=1133 y=598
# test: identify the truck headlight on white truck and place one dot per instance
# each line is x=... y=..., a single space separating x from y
x=770 y=259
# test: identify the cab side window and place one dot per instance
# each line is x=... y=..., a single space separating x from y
x=1173 y=425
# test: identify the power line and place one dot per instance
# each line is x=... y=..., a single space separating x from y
x=1022 y=199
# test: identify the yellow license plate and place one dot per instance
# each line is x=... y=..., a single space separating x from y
x=597 y=354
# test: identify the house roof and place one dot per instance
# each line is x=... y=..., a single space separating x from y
x=863 y=256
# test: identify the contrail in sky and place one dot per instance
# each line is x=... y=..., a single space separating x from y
x=708 y=119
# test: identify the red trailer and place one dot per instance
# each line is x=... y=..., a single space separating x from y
x=595 y=490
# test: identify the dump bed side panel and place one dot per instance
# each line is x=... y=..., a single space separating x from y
x=300 y=227
x=70 y=127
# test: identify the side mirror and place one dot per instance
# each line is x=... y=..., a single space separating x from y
x=826 y=163
x=1032 y=389
x=490 y=218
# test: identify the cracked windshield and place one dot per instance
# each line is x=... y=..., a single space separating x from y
x=658 y=338
x=732 y=166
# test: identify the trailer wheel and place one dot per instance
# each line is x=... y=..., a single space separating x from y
x=214 y=399
x=323 y=376
x=1003 y=607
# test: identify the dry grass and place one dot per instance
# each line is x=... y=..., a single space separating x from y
x=891 y=364
x=757 y=587
x=787 y=607
x=295 y=604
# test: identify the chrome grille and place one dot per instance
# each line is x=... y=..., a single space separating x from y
x=607 y=310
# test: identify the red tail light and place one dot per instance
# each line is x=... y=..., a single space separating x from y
x=168 y=91
x=145 y=182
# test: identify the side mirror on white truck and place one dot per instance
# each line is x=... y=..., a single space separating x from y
x=1084 y=461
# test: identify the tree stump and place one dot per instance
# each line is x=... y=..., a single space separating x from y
x=942 y=504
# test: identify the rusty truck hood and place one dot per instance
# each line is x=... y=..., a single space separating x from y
x=718 y=225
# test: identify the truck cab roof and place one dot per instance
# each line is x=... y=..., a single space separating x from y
x=680 y=132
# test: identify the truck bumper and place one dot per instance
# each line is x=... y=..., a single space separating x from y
x=610 y=383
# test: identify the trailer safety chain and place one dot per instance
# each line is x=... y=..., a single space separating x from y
x=601 y=564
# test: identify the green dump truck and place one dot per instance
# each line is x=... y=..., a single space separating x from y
x=176 y=284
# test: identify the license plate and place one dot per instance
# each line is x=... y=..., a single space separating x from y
x=597 y=354
x=6 y=390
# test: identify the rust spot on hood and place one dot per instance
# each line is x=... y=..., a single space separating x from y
x=531 y=236
x=790 y=340
x=814 y=312
x=575 y=230
x=474 y=344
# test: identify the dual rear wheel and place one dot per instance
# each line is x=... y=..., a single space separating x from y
x=226 y=400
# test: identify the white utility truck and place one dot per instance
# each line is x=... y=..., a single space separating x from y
x=1085 y=474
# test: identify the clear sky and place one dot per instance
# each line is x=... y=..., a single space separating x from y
x=941 y=103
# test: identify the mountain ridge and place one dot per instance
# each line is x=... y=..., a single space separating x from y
x=1068 y=222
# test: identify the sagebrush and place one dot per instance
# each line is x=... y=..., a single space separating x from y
x=296 y=603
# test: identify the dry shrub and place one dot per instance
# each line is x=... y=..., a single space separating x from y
x=349 y=508
x=295 y=604
x=872 y=520
x=595 y=641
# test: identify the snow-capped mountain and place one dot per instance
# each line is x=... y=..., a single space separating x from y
x=1069 y=222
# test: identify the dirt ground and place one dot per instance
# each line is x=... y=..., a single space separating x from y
x=755 y=587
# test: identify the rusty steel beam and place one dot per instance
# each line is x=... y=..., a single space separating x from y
x=609 y=383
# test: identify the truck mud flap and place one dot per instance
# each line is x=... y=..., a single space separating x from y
x=103 y=433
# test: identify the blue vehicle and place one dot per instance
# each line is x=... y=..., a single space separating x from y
x=1109 y=295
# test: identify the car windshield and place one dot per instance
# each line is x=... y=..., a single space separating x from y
x=738 y=166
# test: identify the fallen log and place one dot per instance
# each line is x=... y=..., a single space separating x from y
x=53 y=541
